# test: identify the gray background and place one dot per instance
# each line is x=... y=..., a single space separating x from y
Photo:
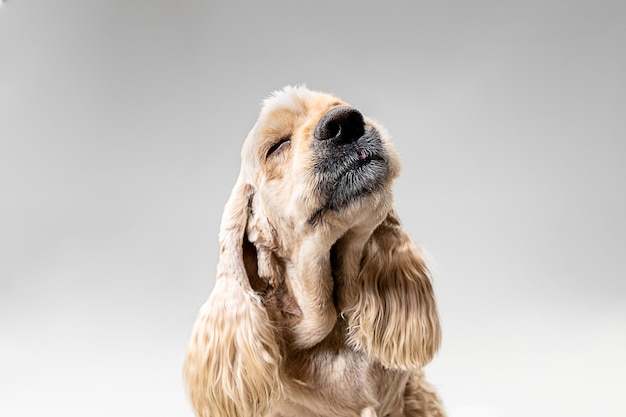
x=121 y=124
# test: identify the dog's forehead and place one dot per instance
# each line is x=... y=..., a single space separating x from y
x=296 y=101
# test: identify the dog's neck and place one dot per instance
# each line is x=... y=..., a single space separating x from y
x=345 y=259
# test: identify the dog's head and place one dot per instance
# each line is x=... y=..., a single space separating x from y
x=317 y=165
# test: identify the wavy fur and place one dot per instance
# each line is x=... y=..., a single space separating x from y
x=394 y=317
x=232 y=363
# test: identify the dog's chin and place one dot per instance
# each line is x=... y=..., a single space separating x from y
x=353 y=186
x=359 y=181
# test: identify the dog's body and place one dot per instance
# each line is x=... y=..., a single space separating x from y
x=323 y=305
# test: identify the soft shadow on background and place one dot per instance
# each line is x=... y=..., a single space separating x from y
x=120 y=129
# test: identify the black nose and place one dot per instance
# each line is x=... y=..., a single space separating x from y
x=344 y=124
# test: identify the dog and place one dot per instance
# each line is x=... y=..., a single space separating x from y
x=323 y=305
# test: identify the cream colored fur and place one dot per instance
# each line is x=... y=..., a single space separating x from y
x=328 y=318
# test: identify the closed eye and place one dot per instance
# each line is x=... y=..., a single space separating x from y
x=278 y=145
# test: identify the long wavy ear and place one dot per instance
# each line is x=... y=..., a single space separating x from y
x=394 y=317
x=232 y=361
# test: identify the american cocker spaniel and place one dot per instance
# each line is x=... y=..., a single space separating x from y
x=323 y=306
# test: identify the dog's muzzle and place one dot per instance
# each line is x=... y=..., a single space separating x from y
x=350 y=160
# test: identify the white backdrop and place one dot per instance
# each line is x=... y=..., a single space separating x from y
x=120 y=129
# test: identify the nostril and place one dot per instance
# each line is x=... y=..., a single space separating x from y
x=333 y=129
x=343 y=124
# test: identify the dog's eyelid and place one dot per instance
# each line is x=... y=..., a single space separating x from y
x=277 y=145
